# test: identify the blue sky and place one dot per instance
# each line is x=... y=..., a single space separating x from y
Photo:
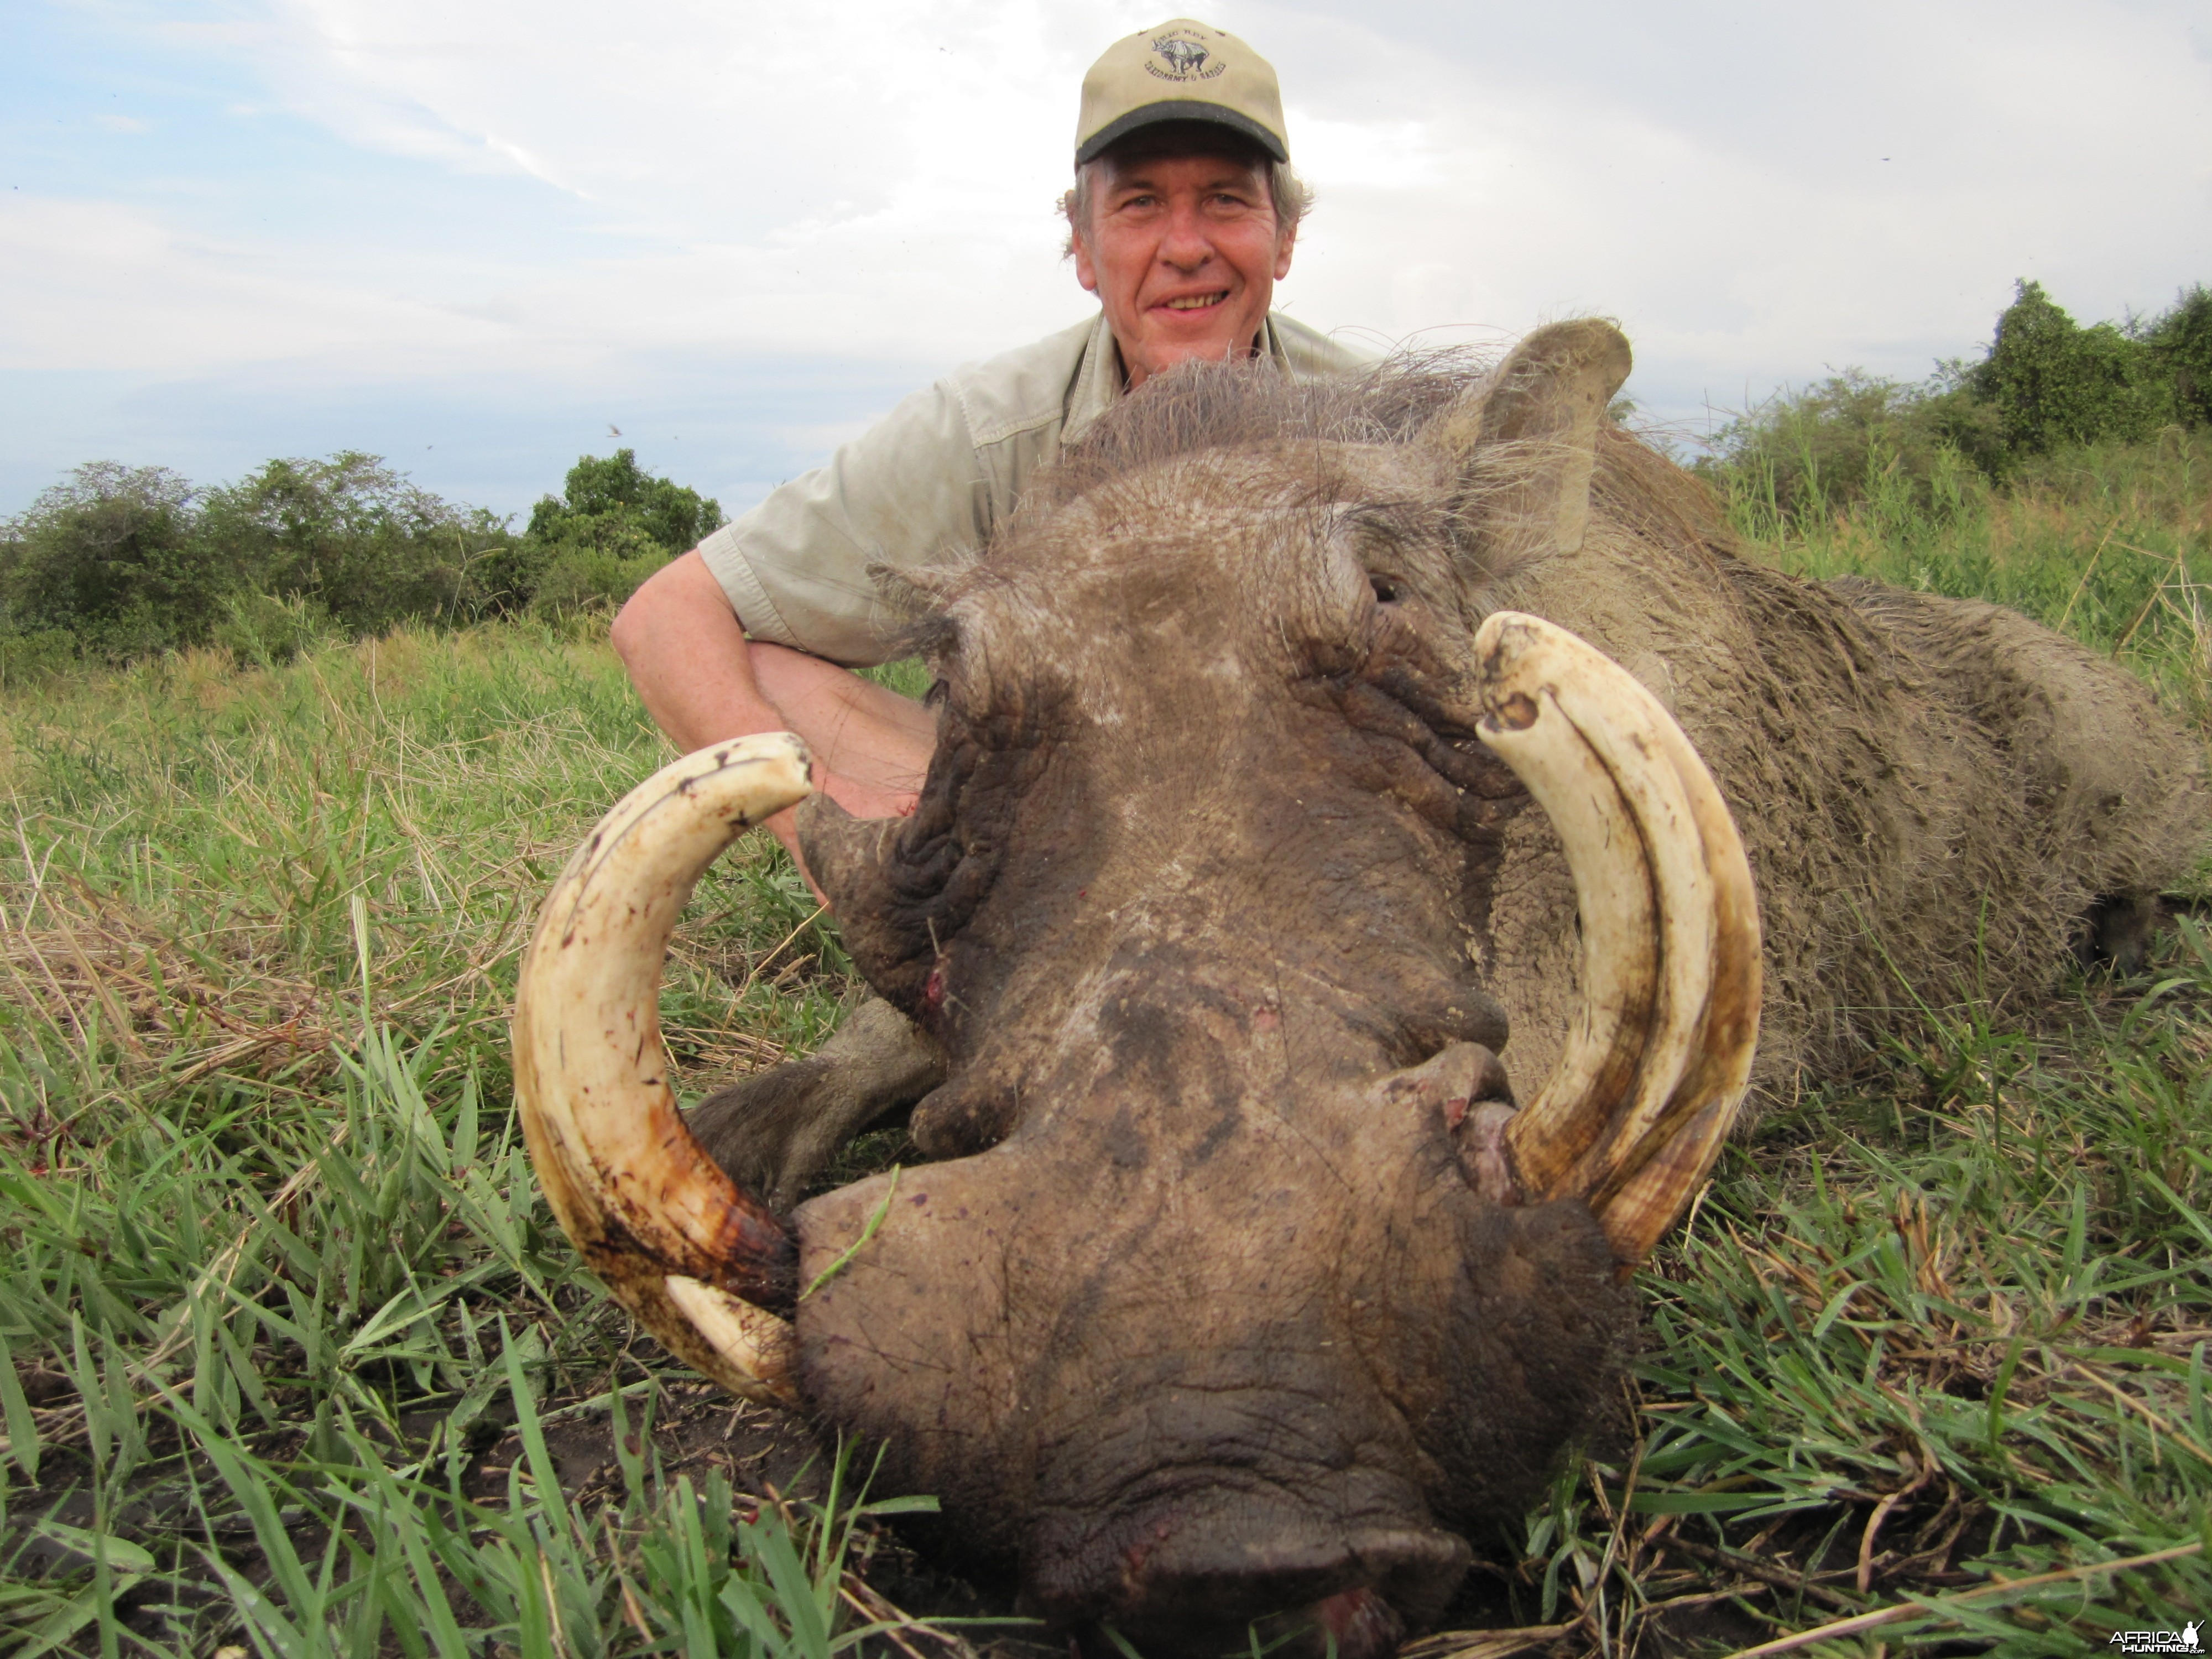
x=478 y=236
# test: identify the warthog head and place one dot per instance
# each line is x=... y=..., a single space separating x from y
x=1236 y=1288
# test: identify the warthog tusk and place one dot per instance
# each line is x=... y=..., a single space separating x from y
x=1660 y=1053
x=676 y=1241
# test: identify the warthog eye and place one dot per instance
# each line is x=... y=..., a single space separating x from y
x=1386 y=591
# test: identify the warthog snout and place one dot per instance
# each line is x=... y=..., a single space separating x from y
x=1178 y=1364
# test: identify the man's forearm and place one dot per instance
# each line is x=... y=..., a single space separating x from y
x=686 y=651
x=703 y=681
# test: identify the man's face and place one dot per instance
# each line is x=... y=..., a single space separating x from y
x=1184 y=253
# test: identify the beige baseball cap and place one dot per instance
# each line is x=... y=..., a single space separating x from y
x=1181 y=71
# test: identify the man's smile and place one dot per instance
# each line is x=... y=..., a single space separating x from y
x=1196 y=302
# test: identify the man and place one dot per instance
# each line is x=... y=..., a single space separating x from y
x=1183 y=219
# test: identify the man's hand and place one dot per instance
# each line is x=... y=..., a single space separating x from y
x=867 y=801
x=862 y=800
x=703 y=681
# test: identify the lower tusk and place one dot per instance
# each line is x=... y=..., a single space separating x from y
x=676 y=1242
x=751 y=1342
x=1659 y=1055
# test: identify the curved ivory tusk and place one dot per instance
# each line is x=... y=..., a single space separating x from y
x=1620 y=966
x=677 y=1243
x=1656 y=1064
x=1697 y=1119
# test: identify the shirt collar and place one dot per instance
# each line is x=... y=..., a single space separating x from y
x=1098 y=376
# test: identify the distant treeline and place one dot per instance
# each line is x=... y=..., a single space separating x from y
x=116 y=562
x=2044 y=383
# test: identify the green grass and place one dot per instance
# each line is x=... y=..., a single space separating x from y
x=1942 y=1322
x=2112 y=544
x=280 y=1285
x=297 y=1363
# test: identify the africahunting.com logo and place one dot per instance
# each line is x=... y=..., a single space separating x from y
x=2158 y=1640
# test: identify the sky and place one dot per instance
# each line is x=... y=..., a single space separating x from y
x=481 y=238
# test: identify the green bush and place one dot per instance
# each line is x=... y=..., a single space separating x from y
x=354 y=538
x=2055 y=384
x=613 y=525
x=539 y=575
x=613 y=500
x=579 y=578
x=1855 y=441
x=27 y=659
x=113 y=556
x=130 y=562
x=117 y=563
x=2181 y=344
x=261 y=628
x=1856 y=438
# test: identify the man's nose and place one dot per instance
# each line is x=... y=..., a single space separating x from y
x=1187 y=245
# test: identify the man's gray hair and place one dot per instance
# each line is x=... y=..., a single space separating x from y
x=1292 y=197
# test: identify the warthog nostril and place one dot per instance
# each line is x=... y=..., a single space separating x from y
x=1357 y=1623
x=1203 y=1582
x=1353 y=1624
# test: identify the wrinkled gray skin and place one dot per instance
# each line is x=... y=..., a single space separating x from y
x=1218 y=914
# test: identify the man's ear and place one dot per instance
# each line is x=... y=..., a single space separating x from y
x=1086 y=269
x=1524 y=441
x=1284 y=244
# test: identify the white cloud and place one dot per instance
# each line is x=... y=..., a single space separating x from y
x=1863 y=190
x=99 y=285
x=855 y=178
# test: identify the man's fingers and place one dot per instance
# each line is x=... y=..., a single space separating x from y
x=784 y=826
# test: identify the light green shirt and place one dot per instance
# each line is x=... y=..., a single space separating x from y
x=936 y=475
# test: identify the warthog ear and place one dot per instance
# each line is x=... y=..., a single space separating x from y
x=1524 y=442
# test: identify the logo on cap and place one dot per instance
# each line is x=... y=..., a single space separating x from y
x=1184 y=56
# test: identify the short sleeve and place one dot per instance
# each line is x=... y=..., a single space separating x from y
x=905 y=493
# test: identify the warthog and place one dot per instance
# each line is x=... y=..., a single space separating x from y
x=1236 y=1288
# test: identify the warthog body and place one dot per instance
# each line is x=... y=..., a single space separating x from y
x=1203 y=1310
